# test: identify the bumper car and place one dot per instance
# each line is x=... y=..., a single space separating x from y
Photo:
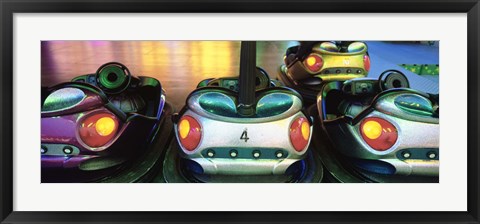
x=378 y=130
x=242 y=129
x=96 y=127
x=310 y=64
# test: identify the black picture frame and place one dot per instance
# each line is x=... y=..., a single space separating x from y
x=10 y=7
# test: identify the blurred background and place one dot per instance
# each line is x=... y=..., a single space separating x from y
x=180 y=65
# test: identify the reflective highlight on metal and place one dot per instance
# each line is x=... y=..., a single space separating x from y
x=391 y=103
x=63 y=99
x=356 y=47
x=218 y=103
x=415 y=104
x=375 y=166
x=274 y=104
x=329 y=46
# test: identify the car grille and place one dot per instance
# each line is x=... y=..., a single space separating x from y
x=245 y=153
x=336 y=71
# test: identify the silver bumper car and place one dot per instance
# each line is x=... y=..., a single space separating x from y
x=383 y=128
x=243 y=129
x=214 y=135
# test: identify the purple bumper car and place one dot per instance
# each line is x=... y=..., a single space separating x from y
x=97 y=123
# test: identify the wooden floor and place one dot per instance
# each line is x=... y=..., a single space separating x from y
x=178 y=65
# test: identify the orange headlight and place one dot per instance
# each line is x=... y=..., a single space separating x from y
x=313 y=62
x=378 y=133
x=189 y=132
x=98 y=129
x=300 y=133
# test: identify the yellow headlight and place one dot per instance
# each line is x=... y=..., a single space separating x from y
x=184 y=128
x=105 y=126
x=305 y=130
x=311 y=61
x=372 y=129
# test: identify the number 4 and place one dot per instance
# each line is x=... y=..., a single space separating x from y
x=244 y=135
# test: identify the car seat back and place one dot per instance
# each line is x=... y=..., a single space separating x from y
x=262 y=81
x=128 y=93
x=221 y=104
x=355 y=97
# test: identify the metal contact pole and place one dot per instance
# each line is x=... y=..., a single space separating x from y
x=246 y=95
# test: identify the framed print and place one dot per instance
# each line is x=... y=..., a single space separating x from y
x=262 y=112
